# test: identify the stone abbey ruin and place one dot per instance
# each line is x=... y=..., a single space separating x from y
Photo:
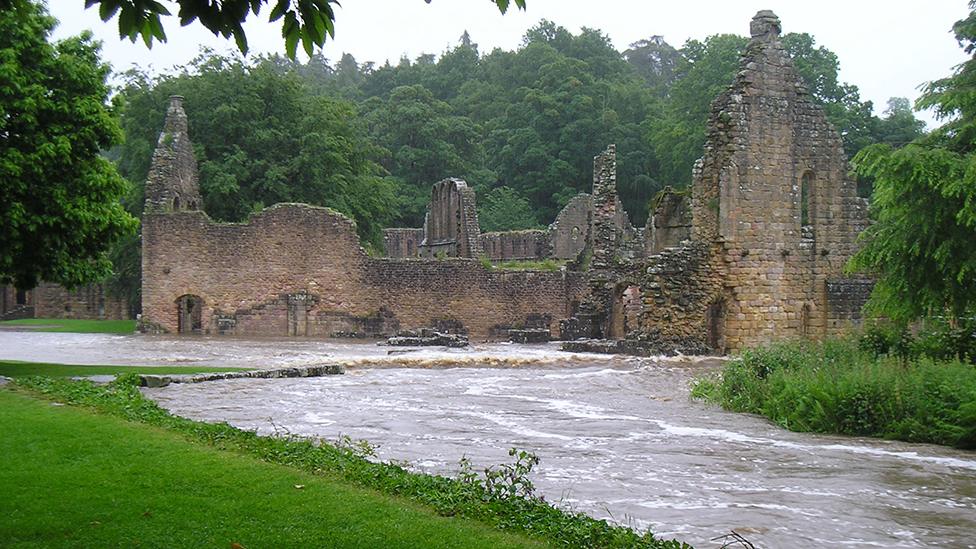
x=755 y=251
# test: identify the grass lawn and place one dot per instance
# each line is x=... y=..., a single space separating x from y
x=12 y=368
x=75 y=325
x=75 y=478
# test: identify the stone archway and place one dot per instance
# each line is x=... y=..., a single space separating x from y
x=189 y=314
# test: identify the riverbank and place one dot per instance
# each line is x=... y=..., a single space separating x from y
x=209 y=461
x=837 y=387
x=71 y=325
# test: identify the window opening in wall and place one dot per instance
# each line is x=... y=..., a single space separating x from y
x=806 y=197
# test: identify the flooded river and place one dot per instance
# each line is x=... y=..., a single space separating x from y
x=618 y=437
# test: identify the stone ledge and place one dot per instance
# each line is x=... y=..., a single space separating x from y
x=153 y=381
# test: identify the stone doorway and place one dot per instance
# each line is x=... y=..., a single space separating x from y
x=625 y=312
x=716 y=326
x=189 y=311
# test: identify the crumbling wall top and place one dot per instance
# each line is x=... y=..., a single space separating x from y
x=765 y=26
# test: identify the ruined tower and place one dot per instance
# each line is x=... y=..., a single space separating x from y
x=172 y=184
x=772 y=192
x=451 y=226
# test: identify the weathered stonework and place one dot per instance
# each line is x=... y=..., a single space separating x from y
x=402 y=242
x=755 y=254
x=670 y=222
x=49 y=300
x=172 y=182
x=529 y=244
x=451 y=226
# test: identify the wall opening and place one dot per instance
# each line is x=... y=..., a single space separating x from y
x=21 y=297
x=189 y=310
x=716 y=326
x=805 y=320
x=806 y=202
x=176 y=203
x=625 y=311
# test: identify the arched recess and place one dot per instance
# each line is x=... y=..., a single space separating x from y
x=715 y=322
x=625 y=311
x=189 y=314
x=176 y=203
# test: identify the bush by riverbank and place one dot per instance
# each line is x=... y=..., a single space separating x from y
x=839 y=387
x=502 y=497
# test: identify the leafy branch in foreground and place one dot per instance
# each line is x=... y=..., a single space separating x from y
x=503 y=499
x=308 y=21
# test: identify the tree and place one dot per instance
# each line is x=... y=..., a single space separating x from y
x=59 y=199
x=921 y=246
x=504 y=209
x=307 y=21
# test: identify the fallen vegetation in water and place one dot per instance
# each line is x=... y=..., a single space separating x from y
x=501 y=496
x=839 y=386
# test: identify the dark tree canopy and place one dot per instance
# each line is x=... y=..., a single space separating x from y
x=59 y=199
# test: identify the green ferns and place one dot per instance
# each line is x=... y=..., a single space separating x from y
x=838 y=387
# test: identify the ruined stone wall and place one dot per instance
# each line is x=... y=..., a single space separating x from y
x=770 y=156
x=402 y=242
x=90 y=302
x=670 y=222
x=172 y=182
x=451 y=226
x=569 y=230
x=299 y=270
x=15 y=304
x=604 y=232
x=532 y=244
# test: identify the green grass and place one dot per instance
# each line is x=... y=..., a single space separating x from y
x=13 y=368
x=541 y=265
x=72 y=478
x=837 y=387
x=75 y=325
x=502 y=498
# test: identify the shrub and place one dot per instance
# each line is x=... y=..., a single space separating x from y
x=839 y=387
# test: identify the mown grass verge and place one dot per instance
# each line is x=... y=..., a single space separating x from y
x=75 y=325
x=502 y=497
x=77 y=479
x=16 y=368
x=838 y=387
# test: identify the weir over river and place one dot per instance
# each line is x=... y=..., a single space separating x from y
x=618 y=437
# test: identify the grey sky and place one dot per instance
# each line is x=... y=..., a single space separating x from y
x=886 y=48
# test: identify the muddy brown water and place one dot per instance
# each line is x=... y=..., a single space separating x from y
x=618 y=438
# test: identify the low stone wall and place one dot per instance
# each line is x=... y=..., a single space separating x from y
x=532 y=244
x=402 y=242
x=90 y=302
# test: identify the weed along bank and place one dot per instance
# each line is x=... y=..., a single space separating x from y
x=754 y=252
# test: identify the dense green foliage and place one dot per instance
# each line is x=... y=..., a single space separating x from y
x=934 y=338
x=59 y=199
x=838 y=387
x=75 y=325
x=921 y=246
x=78 y=479
x=502 y=497
x=15 y=368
